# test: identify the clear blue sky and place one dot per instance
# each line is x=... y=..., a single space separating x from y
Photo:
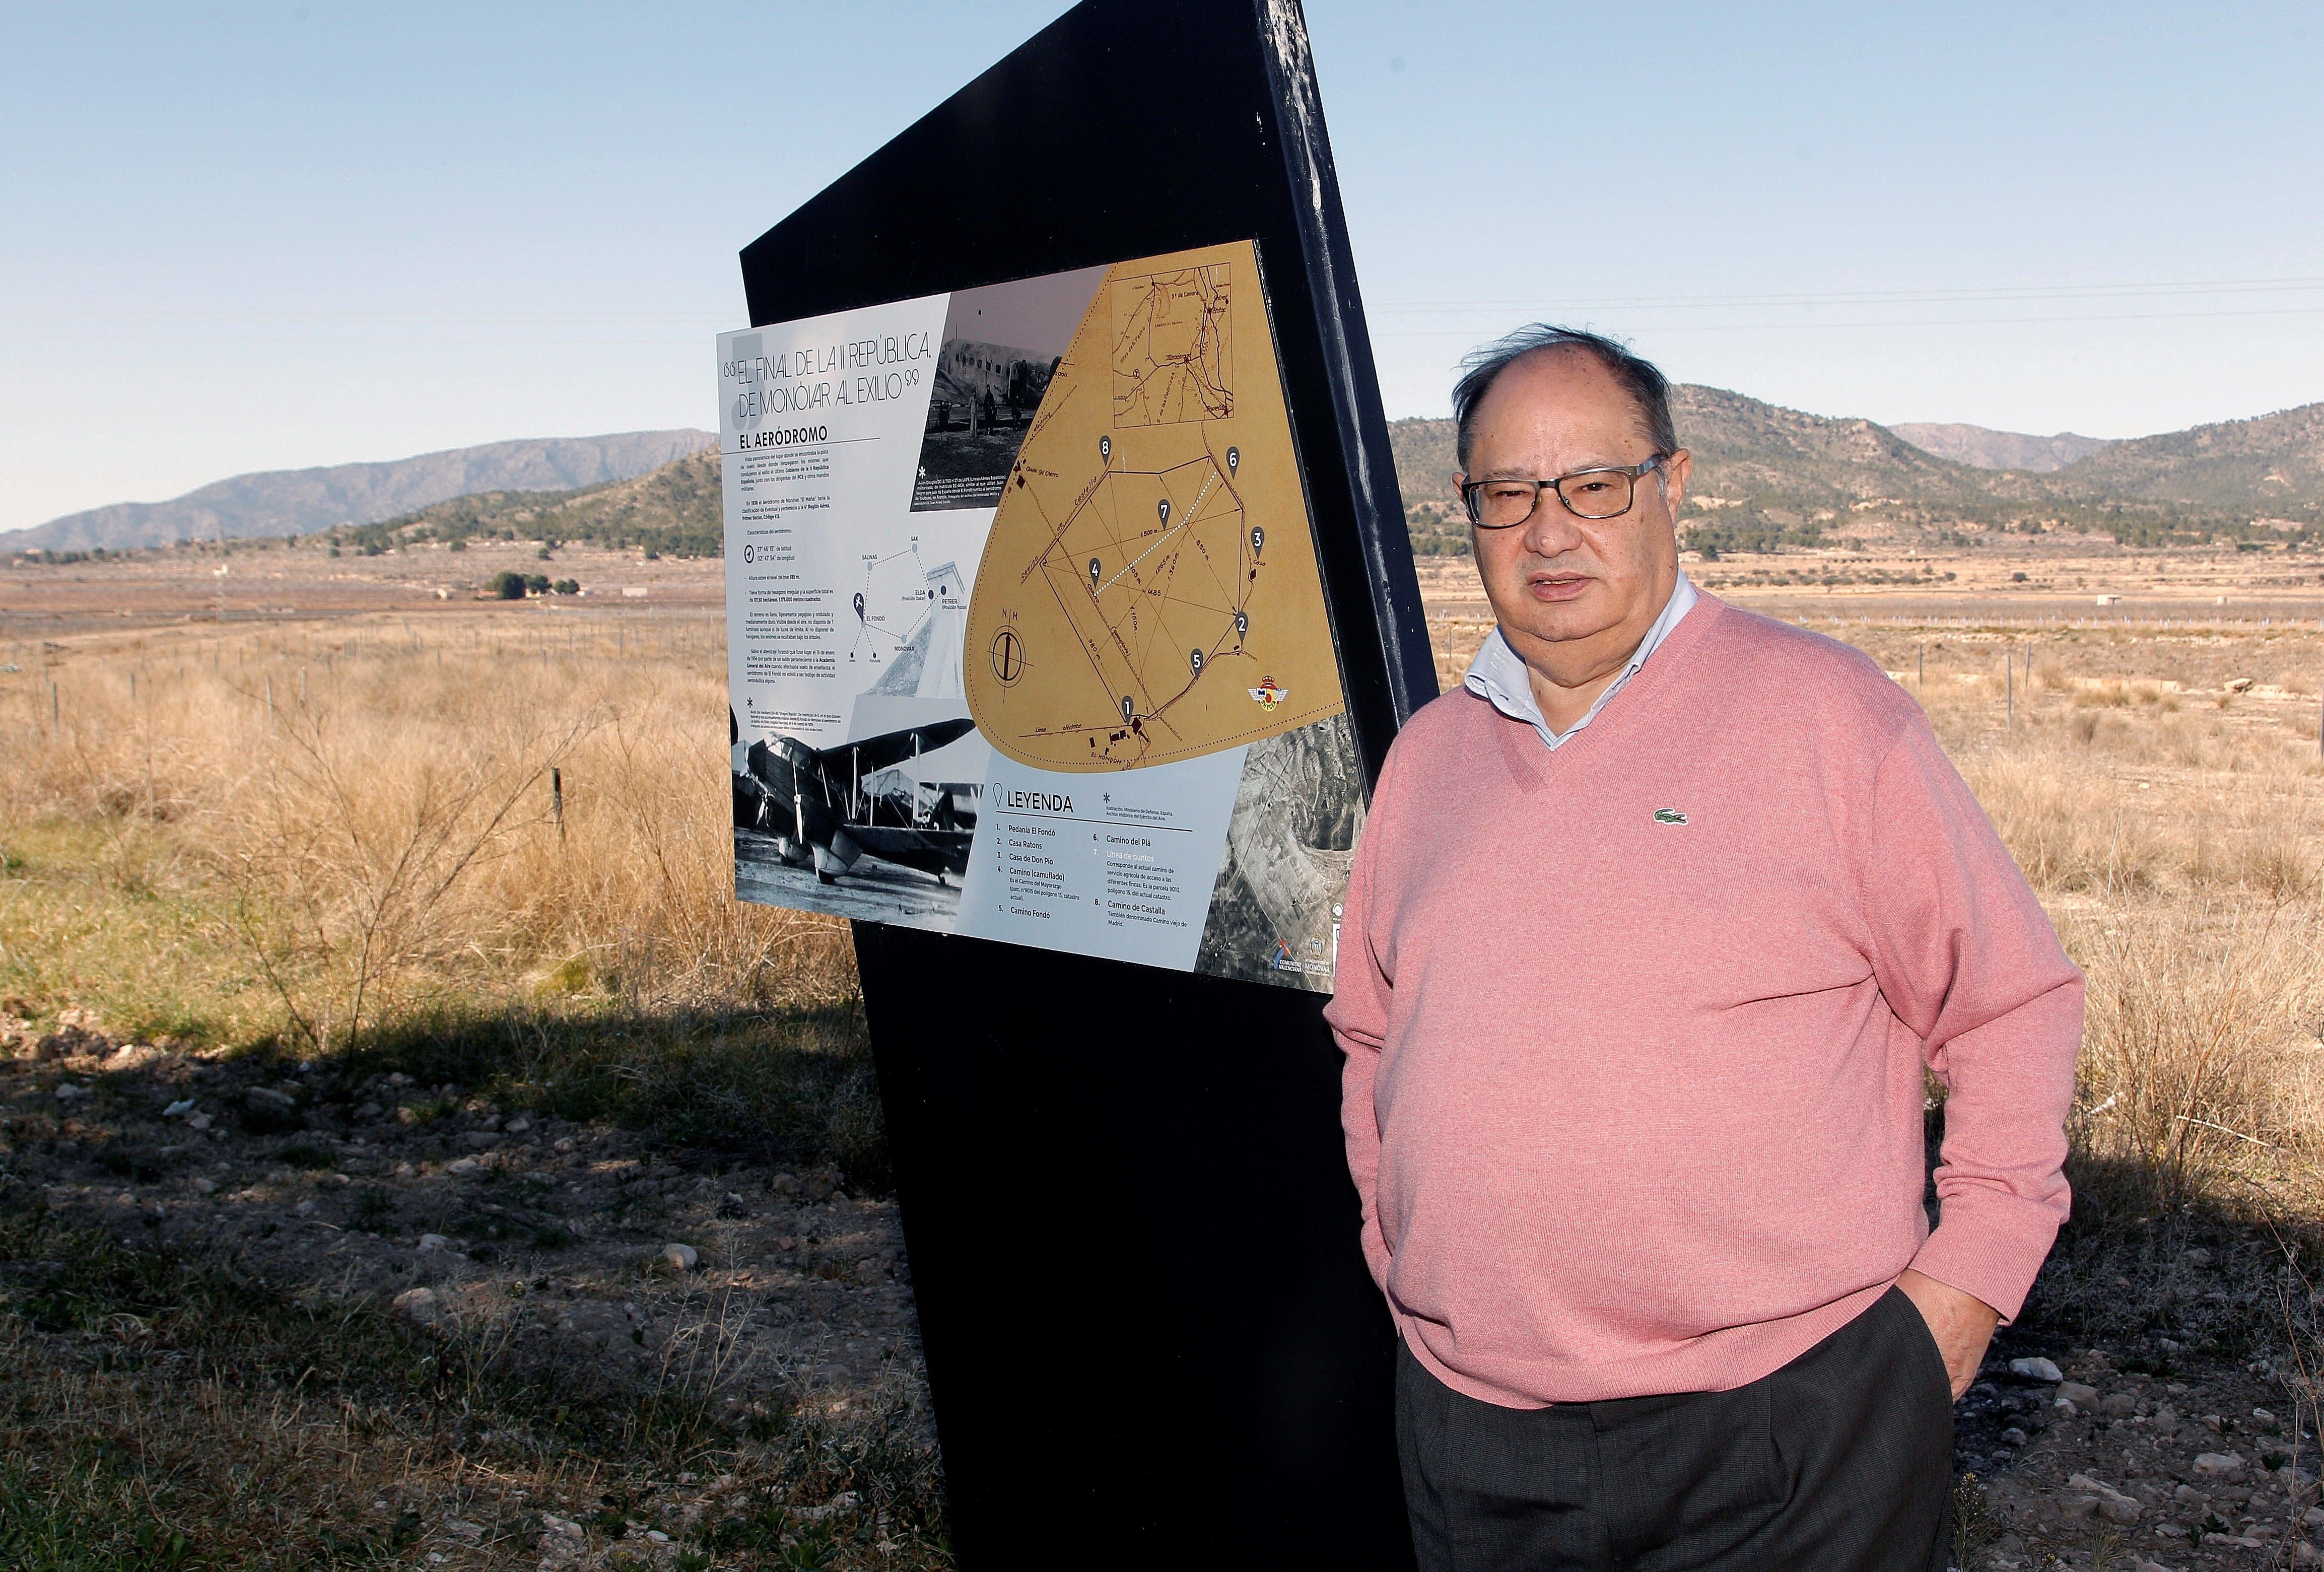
x=238 y=236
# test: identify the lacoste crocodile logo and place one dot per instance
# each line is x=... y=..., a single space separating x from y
x=1669 y=816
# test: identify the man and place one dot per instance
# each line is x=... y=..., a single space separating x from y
x=1653 y=927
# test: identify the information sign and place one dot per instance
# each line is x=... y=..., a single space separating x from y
x=1028 y=638
x=1064 y=648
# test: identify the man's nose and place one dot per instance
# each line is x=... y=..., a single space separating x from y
x=1552 y=530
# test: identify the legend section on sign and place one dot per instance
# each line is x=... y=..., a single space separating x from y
x=1118 y=864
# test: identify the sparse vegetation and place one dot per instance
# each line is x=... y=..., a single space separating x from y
x=369 y=878
x=335 y=847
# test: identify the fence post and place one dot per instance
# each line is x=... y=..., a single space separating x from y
x=2009 y=686
x=557 y=801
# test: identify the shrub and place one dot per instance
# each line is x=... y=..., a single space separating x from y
x=508 y=586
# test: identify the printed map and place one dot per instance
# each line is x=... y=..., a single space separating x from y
x=1172 y=348
x=1148 y=590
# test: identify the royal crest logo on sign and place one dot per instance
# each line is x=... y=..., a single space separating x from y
x=1267 y=695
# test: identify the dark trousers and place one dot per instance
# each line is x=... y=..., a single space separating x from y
x=1842 y=1461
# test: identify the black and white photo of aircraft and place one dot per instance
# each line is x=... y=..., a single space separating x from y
x=832 y=807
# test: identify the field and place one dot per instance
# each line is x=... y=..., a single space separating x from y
x=372 y=881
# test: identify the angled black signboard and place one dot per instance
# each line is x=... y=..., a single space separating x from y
x=1083 y=747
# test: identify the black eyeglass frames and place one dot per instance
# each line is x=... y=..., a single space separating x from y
x=1588 y=494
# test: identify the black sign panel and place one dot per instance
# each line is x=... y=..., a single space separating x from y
x=1151 y=1336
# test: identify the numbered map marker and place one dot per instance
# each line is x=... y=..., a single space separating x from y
x=1163 y=507
x=1094 y=572
x=1194 y=659
x=1104 y=448
x=1234 y=459
x=1258 y=539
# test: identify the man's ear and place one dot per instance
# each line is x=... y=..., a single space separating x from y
x=1676 y=472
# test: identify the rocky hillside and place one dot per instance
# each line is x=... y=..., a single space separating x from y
x=1763 y=475
x=673 y=510
x=2271 y=467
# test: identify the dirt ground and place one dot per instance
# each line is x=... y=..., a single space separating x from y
x=280 y=582
x=625 y=1266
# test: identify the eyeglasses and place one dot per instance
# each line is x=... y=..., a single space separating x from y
x=1587 y=494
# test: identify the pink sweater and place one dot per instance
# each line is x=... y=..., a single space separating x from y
x=1635 y=1029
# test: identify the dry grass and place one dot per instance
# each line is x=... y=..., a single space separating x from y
x=2175 y=843
x=349 y=847
x=372 y=864
x=368 y=824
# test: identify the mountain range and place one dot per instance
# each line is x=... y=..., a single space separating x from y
x=1767 y=475
x=1763 y=476
x=1981 y=449
x=296 y=502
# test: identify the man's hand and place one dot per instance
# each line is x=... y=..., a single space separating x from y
x=1962 y=1324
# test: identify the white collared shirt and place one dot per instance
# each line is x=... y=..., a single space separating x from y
x=1498 y=675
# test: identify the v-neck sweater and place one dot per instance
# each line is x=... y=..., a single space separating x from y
x=1635 y=1028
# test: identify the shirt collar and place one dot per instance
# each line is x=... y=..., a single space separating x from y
x=1498 y=675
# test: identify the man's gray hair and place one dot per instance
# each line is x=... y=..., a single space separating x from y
x=1647 y=387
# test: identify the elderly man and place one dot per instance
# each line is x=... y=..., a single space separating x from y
x=1654 y=926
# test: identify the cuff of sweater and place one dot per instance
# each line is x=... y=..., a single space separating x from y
x=1991 y=1246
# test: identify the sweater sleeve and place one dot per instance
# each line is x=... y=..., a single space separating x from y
x=1969 y=962
x=1358 y=1014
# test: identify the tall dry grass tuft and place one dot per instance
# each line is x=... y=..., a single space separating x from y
x=353 y=854
x=2180 y=856
x=2202 y=1059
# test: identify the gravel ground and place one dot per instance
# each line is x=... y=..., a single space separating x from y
x=2105 y=1468
x=581 y=1236
x=755 y=1284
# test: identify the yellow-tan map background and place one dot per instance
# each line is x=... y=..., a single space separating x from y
x=1090 y=593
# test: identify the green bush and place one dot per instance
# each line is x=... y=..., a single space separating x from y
x=508 y=586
